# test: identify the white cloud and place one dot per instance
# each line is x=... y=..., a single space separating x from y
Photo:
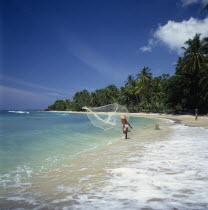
x=175 y=34
x=151 y=43
x=146 y=49
x=188 y=2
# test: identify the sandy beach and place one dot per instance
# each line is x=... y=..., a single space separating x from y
x=78 y=166
x=188 y=120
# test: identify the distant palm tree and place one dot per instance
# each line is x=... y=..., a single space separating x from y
x=140 y=89
x=194 y=55
x=130 y=81
x=179 y=65
x=93 y=99
x=144 y=83
x=203 y=83
x=193 y=64
x=130 y=85
x=125 y=96
x=145 y=75
x=205 y=46
x=157 y=98
x=112 y=93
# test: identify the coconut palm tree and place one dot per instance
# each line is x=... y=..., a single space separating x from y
x=143 y=86
x=179 y=66
x=93 y=99
x=193 y=63
x=203 y=83
x=205 y=46
x=131 y=85
x=130 y=82
x=124 y=97
x=193 y=55
x=145 y=75
x=112 y=93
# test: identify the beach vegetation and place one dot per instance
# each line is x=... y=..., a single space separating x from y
x=182 y=92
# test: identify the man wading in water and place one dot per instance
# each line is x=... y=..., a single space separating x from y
x=125 y=125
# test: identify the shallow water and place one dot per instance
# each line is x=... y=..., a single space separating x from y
x=33 y=142
x=154 y=169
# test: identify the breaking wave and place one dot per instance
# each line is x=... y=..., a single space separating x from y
x=19 y=112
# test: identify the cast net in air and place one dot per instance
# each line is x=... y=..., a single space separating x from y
x=107 y=117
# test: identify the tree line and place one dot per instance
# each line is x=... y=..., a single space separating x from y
x=185 y=91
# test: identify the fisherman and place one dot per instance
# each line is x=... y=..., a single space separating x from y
x=125 y=125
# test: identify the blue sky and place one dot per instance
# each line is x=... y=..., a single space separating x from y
x=50 y=49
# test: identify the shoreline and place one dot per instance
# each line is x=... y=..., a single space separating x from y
x=152 y=168
x=86 y=174
x=188 y=120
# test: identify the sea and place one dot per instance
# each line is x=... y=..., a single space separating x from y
x=56 y=160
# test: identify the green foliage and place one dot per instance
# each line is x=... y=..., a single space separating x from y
x=58 y=105
x=184 y=91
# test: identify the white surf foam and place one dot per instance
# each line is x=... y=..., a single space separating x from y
x=170 y=174
x=19 y=198
x=19 y=112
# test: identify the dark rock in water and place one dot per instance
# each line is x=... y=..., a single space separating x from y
x=30 y=118
x=157 y=127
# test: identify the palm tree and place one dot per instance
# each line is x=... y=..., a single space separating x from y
x=130 y=85
x=93 y=99
x=193 y=63
x=205 y=46
x=112 y=93
x=203 y=83
x=130 y=82
x=144 y=83
x=145 y=75
x=179 y=66
x=157 y=98
x=193 y=55
x=103 y=97
x=124 y=97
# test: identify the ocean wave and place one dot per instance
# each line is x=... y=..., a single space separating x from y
x=19 y=112
x=167 y=174
x=14 y=177
x=31 y=201
x=170 y=174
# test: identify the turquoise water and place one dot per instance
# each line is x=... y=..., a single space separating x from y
x=34 y=141
x=61 y=161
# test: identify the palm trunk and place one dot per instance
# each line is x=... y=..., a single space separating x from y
x=137 y=101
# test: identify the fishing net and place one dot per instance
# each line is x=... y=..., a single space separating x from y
x=107 y=117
